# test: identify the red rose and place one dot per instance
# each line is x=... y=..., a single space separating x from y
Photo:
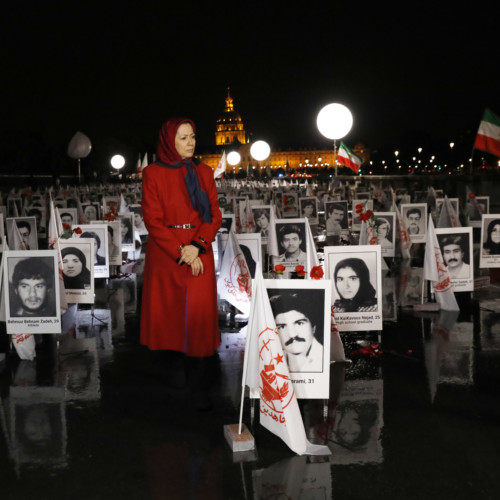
x=66 y=226
x=300 y=271
x=78 y=230
x=316 y=273
x=279 y=268
x=359 y=208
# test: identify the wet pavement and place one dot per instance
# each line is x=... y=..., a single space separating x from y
x=414 y=415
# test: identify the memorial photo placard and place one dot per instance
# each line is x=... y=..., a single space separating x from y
x=99 y=233
x=415 y=217
x=356 y=278
x=292 y=244
x=31 y=283
x=456 y=248
x=301 y=310
x=78 y=269
x=489 y=255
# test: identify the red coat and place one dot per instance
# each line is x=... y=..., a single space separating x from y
x=179 y=310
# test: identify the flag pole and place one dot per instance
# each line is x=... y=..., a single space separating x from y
x=335 y=155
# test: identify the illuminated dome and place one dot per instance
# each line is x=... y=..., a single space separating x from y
x=229 y=128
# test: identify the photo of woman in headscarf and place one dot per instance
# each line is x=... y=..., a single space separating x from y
x=492 y=244
x=352 y=282
x=75 y=273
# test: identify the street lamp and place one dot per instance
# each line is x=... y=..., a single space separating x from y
x=117 y=162
x=334 y=121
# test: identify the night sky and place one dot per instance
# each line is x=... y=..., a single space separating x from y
x=410 y=73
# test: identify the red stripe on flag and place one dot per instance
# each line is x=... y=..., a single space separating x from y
x=487 y=144
x=348 y=163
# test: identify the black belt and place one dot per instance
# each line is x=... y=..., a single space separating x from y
x=182 y=226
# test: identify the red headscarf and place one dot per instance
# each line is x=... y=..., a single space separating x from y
x=166 y=151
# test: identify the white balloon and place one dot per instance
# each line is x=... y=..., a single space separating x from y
x=79 y=146
x=260 y=150
x=334 y=121
x=233 y=158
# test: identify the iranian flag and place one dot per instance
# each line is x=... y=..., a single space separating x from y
x=488 y=135
x=348 y=158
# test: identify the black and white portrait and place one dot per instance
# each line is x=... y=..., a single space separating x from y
x=292 y=245
x=139 y=225
x=91 y=211
x=78 y=270
x=309 y=209
x=456 y=248
x=26 y=230
x=415 y=217
x=261 y=217
x=32 y=304
x=489 y=255
x=251 y=247
x=127 y=231
x=386 y=232
x=114 y=242
x=355 y=274
x=336 y=217
x=40 y=215
x=302 y=316
x=99 y=233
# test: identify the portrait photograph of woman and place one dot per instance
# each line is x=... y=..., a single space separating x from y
x=127 y=231
x=386 y=232
x=356 y=278
x=490 y=241
x=78 y=269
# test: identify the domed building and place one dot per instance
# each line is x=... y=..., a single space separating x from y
x=230 y=135
x=229 y=128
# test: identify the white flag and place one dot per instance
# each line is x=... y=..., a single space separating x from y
x=55 y=230
x=265 y=369
x=235 y=283
x=123 y=204
x=403 y=236
x=312 y=254
x=272 y=239
x=436 y=271
x=221 y=166
x=448 y=217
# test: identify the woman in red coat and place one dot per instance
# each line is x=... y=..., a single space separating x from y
x=182 y=216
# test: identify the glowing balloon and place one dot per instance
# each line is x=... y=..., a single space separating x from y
x=79 y=146
x=334 y=121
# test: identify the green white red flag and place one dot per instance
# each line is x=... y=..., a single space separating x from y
x=488 y=135
x=349 y=158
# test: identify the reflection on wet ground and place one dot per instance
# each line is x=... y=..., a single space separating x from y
x=415 y=415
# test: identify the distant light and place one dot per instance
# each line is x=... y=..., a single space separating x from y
x=334 y=121
x=117 y=162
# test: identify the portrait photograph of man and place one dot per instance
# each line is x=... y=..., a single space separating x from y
x=456 y=248
x=302 y=316
x=26 y=227
x=291 y=237
x=33 y=286
x=336 y=217
x=40 y=215
x=261 y=217
x=415 y=217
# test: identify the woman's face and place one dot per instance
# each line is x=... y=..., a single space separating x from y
x=347 y=282
x=495 y=234
x=72 y=265
x=383 y=229
x=185 y=141
x=124 y=229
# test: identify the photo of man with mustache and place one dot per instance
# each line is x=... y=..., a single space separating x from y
x=299 y=329
x=453 y=249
